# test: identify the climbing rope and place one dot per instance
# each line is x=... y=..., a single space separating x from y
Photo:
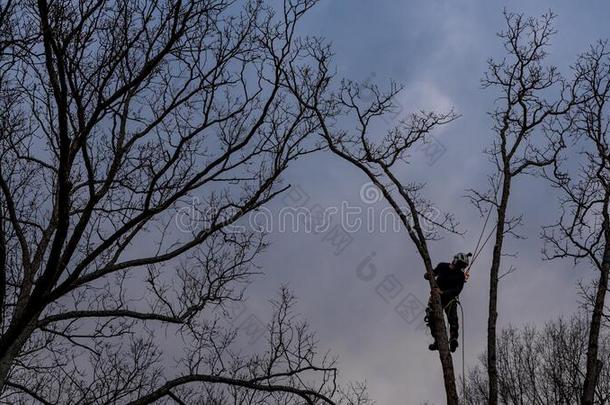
x=479 y=247
x=457 y=301
x=477 y=251
x=463 y=352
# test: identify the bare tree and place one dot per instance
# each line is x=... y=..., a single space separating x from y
x=116 y=115
x=525 y=86
x=582 y=231
x=541 y=366
x=379 y=159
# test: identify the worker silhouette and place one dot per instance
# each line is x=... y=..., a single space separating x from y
x=450 y=279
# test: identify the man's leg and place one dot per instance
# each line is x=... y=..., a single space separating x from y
x=454 y=328
x=429 y=318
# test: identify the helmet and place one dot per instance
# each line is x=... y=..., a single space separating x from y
x=462 y=258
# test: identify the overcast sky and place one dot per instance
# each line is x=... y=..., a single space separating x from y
x=438 y=50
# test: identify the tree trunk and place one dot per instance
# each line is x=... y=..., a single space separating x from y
x=492 y=319
x=593 y=364
x=11 y=351
x=440 y=332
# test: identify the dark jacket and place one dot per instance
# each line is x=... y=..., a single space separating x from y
x=450 y=281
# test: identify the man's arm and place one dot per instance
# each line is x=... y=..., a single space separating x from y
x=435 y=271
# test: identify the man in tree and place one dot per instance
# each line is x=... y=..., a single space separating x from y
x=450 y=278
